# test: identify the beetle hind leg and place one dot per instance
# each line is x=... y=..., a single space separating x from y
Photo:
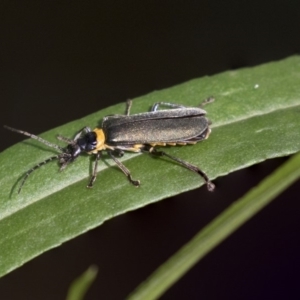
x=209 y=184
x=168 y=104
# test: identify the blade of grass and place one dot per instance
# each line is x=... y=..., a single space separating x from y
x=80 y=285
x=220 y=228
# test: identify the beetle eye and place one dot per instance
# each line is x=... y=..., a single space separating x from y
x=90 y=138
x=90 y=141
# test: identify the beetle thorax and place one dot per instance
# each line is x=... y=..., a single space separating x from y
x=100 y=138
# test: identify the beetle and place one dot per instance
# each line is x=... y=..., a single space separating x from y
x=142 y=132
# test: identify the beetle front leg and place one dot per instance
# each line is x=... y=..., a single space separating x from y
x=84 y=129
x=77 y=136
x=95 y=171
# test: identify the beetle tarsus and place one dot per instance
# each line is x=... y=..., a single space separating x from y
x=207 y=101
x=210 y=186
x=136 y=183
x=91 y=183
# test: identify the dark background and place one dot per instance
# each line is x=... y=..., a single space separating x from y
x=62 y=60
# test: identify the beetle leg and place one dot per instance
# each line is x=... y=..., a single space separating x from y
x=207 y=101
x=172 y=105
x=94 y=175
x=124 y=169
x=210 y=185
x=84 y=129
x=77 y=136
x=118 y=152
x=128 y=107
x=157 y=104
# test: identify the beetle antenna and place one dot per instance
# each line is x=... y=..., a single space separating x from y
x=34 y=168
x=41 y=140
x=36 y=138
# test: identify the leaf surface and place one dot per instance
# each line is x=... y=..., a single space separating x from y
x=255 y=117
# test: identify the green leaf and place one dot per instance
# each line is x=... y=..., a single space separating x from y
x=80 y=285
x=255 y=117
x=218 y=230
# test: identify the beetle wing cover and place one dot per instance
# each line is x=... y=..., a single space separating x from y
x=173 y=125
